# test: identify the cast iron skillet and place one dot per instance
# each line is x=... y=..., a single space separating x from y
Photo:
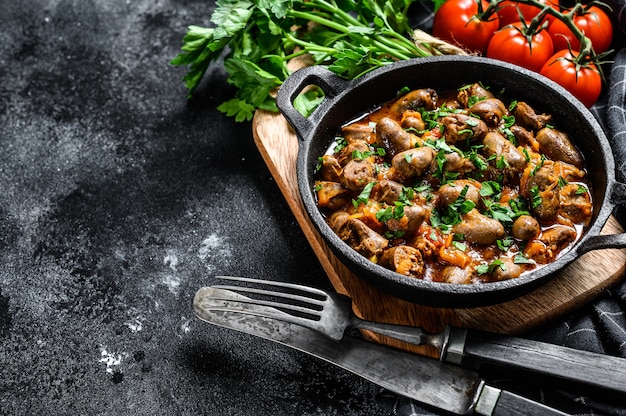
x=345 y=100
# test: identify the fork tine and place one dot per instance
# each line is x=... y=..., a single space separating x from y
x=232 y=302
x=284 y=295
x=264 y=314
x=272 y=304
x=301 y=288
x=306 y=300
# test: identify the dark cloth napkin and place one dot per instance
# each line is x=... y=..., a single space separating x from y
x=599 y=326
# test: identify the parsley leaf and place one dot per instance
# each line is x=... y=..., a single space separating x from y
x=364 y=195
x=491 y=267
x=257 y=39
x=240 y=109
x=535 y=197
x=520 y=258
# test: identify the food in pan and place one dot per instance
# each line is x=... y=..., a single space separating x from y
x=462 y=186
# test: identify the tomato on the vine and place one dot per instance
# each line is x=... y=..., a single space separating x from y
x=583 y=80
x=595 y=24
x=508 y=13
x=460 y=22
x=512 y=44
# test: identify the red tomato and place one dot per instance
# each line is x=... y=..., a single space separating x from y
x=510 y=44
x=459 y=22
x=594 y=22
x=508 y=12
x=584 y=83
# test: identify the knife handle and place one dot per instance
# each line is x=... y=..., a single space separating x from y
x=480 y=350
x=496 y=402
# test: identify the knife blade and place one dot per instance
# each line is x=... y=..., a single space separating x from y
x=443 y=386
x=479 y=350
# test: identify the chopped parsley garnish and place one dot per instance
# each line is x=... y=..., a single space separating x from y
x=364 y=195
x=535 y=197
x=536 y=168
x=384 y=215
x=459 y=246
x=520 y=258
x=476 y=159
x=473 y=100
x=407 y=196
x=501 y=163
x=491 y=267
x=341 y=143
x=490 y=188
x=505 y=243
x=451 y=215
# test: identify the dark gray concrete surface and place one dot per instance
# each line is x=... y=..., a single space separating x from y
x=118 y=200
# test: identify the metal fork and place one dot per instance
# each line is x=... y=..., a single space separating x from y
x=327 y=313
x=331 y=314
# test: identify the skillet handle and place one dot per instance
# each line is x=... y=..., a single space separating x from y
x=330 y=83
x=599 y=242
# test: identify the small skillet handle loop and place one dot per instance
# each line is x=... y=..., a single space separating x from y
x=330 y=84
x=602 y=241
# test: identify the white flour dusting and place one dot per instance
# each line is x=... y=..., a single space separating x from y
x=135 y=325
x=170 y=259
x=111 y=360
x=172 y=283
x=214 y=249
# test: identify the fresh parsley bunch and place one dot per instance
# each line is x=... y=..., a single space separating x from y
x=260 y=37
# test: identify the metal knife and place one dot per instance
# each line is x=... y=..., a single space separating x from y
x=479 y=350
x=447 y=387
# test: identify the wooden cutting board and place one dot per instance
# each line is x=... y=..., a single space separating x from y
x=575 y=285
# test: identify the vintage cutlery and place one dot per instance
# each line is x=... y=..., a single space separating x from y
x=443 y=386
x=331 y=314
